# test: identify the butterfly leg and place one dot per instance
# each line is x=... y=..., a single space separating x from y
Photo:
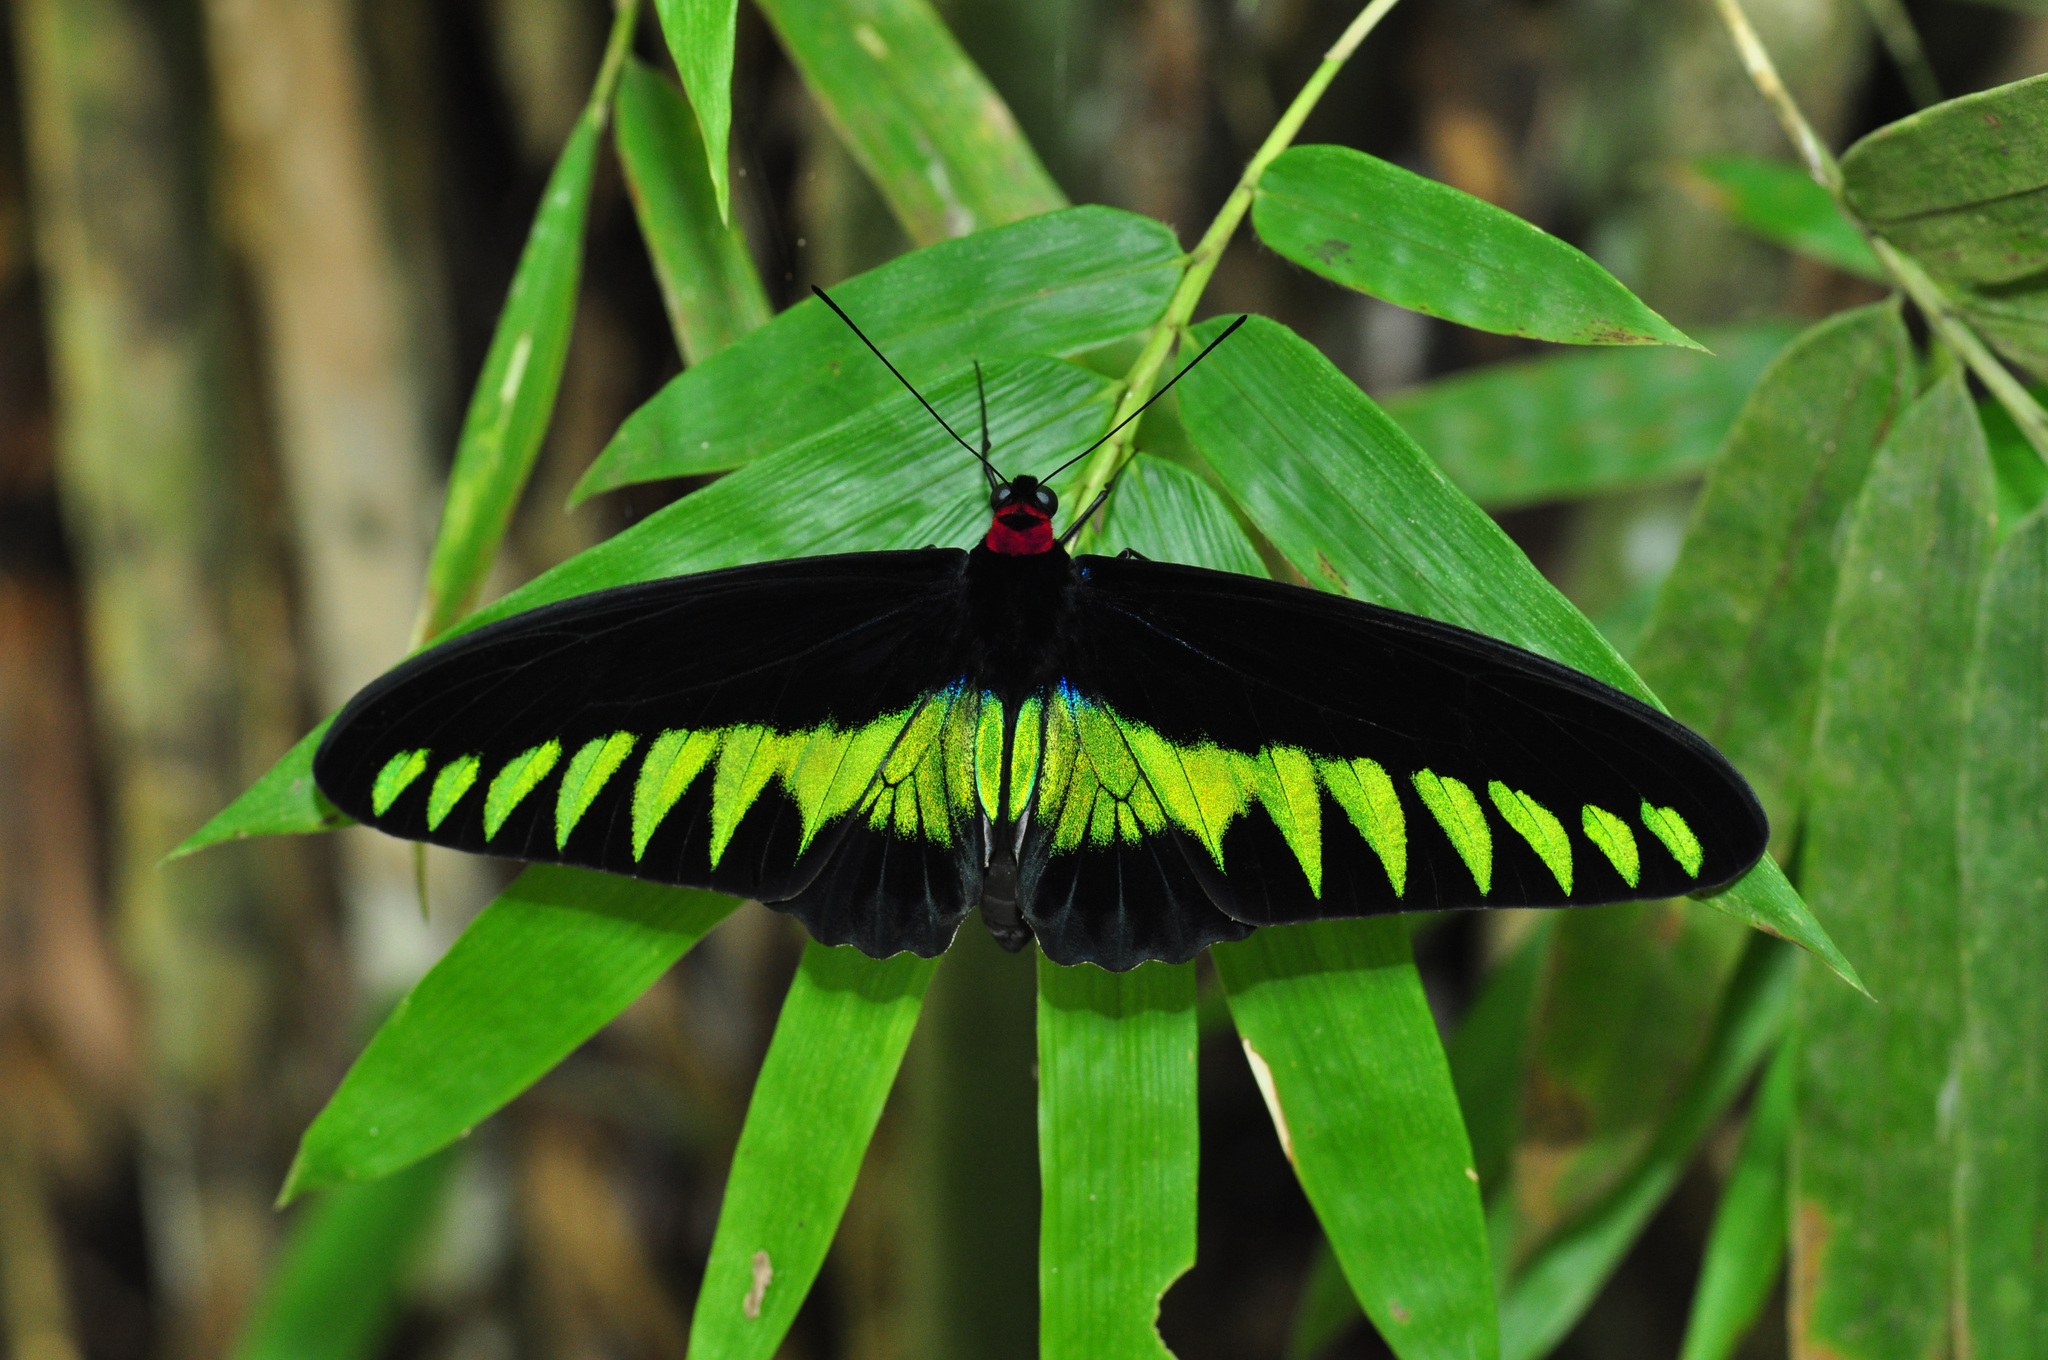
x=1132 y=555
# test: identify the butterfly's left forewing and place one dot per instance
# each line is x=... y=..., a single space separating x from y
x=737 y=730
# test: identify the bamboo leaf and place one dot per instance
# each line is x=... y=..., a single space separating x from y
x=1361 y=222
x=916 y=113
x=1583 y=424
x=1962 y=186
x=1117 y=1153
x=284 y=802
x=1351 y=501
x=1872 y=1144
x=544 y=967
x=333 y=1293
x=1746 y=1248
x=1554 y=1289
x=1165 y=512
x=2022 y=476
x=829 y=1068
x=1734 y=646
x=1340 y=1037
x=515 y=394
x=1057 y=284
x=2001 y=1204
x=700 y=38
x=706 y=272
x=1780 y=202
x=1489 y=1053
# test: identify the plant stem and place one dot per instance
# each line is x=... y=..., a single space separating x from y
x=1201 y=263
x=617 y=46
x=1905 y=271
x=1895 y=29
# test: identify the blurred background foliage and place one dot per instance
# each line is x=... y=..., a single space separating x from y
x=253 y=251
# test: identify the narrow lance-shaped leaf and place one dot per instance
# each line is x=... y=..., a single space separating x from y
x=829 y=1068
x=515 y=394
x=1554 y=1289
x=1357 y=507
x=1746 y=1248
x=544 y=967
x=2001 y=1204
x=1341 y=1040
x=1117 y=1152
x=333 y=1292
x=1058 y=284
x=914 y=110
x=700 y=38
x=1780 y=202
x=707 y=275
x=1369 y=225
x=1873 y=1143
x=886 y=478
x=1167 y=513
x=1582 y=424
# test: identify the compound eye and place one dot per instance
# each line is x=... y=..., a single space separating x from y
x=1000 y=497
x=1046 y=500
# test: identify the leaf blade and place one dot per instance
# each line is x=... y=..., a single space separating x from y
x=1780 y=202
x=700 y=38
x=1369 y=225
x=1746 y=1246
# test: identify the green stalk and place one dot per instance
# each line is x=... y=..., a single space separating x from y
x=1143 y=377
x=1905 y=271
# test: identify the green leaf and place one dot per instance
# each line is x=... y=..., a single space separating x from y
x=2014 y=318
x=1167 y=513
x=284 y=802
x=834 y=1056
x=1057 y=284
x=885 y=478
x=1117 y=1153
x=1351 y=501
x=702 y=263
x=1554 y=1289
x=1341 y=1040
x=1780 y=202
x=1873 y=1156
x=544 y=967
x=921 y=119
x=1747 y=1245
x=2002 y=1179
x=2022 y=476
x=1963 y=186
x=333 y=1293
x=1734 y=646
x=1386 y=231
x=700 y=38
x=1489 y=1053
x=1579 y=424
x=1326 y=1309
x=515 y=394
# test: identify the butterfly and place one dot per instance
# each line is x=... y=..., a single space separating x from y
x=1124 y=759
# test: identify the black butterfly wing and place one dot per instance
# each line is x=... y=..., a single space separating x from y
x=1312 y=756
x=758 y=730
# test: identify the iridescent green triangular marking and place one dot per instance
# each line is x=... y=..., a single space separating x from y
x=988 y=758
x=1534 y=823
x=1024 y=772
x=455 y=779
x=1362 y=788
x=1615 y=840
x=675 y=758
x=595 y=762
x=522 y=775
x=1459 y=814
x=397 y=774
x=1670 y=828
x=750 y=757
x=1285 y=780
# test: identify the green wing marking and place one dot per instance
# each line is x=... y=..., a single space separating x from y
x=1362 y=788
x=1534 y=823
x=522 y=775
x=1670 y=828
x=1024 y=758
x=456 y=778
x=397 y=774
x=596 y=761
x=1459 y=814
x=1615 y=840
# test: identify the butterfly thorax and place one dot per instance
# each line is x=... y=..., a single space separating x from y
x=1016 y=612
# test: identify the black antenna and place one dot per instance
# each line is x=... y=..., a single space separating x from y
x=995 y=477
x=986 y=466
x=1141 y=410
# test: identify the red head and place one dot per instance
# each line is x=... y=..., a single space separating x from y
x=1023 y=517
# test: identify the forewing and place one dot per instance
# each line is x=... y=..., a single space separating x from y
x=1314 y=756
x=733 y=730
